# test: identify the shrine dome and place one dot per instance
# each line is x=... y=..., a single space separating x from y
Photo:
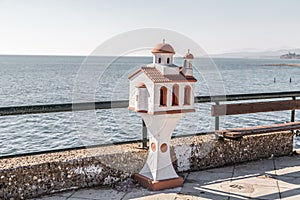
x=163 y=48
x=188 y=55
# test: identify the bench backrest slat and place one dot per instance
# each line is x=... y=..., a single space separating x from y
x=246 y=108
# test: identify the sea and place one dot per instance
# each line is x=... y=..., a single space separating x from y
x=39 y=80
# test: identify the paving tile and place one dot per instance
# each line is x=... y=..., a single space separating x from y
x=287 y=161
x=261 y=173
x=207 y=177
x=65 y=194
x=289 y=187
x=157 y=196
x=102 y=194
x=239 y=189
x=211 y=192
x=198 y=189
x=293 y=171
x=290 y=194
x=245 y=190
x=288 y=175
x=227 y=169
x=257 y=167
x=263 y=180
x=57 y=196
x=288 y=182
x=210 y=189
x=235 y=197
x=51 y=197
x=195 y=182
x=264 y=192
x=190 y=197
x=138 y=193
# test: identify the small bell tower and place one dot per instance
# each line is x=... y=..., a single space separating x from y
x=187 y=65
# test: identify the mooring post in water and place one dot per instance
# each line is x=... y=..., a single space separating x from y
x=290 y=79
x=293 y=113
x=144 y=135
x=217 y=119
x=274 y=80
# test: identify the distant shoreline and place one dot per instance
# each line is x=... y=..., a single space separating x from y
x=283 y=64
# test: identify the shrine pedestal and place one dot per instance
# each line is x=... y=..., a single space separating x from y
x=158 y=185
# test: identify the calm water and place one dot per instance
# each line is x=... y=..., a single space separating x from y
x=28 y=80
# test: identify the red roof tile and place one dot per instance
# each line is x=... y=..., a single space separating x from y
x=157 y=77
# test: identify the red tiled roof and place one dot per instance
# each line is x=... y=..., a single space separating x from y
x=157 y=77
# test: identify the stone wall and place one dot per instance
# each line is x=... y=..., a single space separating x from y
x=32 y=176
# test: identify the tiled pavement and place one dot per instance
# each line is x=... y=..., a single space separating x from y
x=274 y=178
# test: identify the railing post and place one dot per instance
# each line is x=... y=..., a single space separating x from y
x=293 y=113
x=144 y=135
x=217 y=119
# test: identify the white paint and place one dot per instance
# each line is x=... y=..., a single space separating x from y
x=168 y=70
x=141 y=78
x=183 y=155
x=163 y=57
x=187 y=67
x=160 y=127
x=90 y=170
x=169 y=86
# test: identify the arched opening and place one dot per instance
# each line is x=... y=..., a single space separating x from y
x=159 y=60
x=142 y=96
x=175 y=95
x=187 y=95
x=168 y=60
x=185 y=63
x=163 y=96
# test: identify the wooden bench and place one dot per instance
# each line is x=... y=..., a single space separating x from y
x=256 y=107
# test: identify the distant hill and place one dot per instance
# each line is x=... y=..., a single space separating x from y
x=290 y=56
x=258 y=54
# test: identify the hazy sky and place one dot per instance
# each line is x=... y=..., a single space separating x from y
x=77 y=27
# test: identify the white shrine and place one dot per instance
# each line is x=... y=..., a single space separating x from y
x=161 y=93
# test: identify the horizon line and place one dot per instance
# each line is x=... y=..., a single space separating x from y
x=66 y=55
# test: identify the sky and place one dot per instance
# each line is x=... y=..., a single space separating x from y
x=77 y=27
